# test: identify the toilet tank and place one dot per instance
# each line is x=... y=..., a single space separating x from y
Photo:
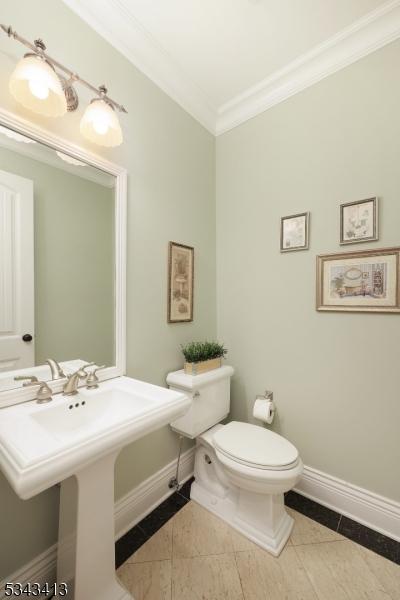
x=210 y=394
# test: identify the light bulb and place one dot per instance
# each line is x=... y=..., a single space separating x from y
x=100 y=125
x=39 y=89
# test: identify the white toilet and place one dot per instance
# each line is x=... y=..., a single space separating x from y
x=241 y=470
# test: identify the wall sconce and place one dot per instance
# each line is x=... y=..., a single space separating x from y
x=36 y=85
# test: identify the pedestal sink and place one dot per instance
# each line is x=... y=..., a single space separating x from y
x=75 y=440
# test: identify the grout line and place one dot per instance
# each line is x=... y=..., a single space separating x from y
x=323 y=542
x=338 y=525
x=309 y=577
x=238 y=572
x=142 y=530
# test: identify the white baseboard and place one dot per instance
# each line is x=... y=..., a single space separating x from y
x=370 y=509
x=41 y=569
x=129 y=510
x=139 y=502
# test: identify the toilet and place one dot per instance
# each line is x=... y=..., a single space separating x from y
x=241 y=470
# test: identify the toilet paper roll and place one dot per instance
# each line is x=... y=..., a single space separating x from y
x=264 y=410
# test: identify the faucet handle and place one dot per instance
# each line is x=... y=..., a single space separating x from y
x=86 y=366
x=44 y=392
x=81 y=373
x=29 y=379
x=92 y=380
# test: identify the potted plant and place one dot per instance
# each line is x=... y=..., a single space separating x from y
x=202 y=356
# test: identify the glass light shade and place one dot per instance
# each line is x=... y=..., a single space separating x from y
x=100 y=124
x=36 y=86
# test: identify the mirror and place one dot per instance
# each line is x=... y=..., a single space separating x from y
x=57 y=260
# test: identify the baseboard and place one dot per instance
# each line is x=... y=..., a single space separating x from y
x=370 y=509
x=139 y=502
x=41 y=569
x=129 y=510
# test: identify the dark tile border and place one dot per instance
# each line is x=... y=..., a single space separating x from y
x=377 y=542
x=313 y=510
x=138 y=535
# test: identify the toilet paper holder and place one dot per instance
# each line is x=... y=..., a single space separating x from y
x=268 y=395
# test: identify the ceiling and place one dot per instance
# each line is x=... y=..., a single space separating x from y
x=226 y=60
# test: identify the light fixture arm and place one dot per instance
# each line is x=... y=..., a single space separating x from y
x=39 y=48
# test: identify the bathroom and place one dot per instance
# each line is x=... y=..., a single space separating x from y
x=241 y=118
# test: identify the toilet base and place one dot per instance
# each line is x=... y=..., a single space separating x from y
x=261 y=518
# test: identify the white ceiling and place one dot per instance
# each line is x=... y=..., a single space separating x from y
x=227 y=60
x=226 y=46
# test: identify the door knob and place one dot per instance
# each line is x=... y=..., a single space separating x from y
x=27 y=337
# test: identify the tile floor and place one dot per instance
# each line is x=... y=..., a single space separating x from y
x=196 y=556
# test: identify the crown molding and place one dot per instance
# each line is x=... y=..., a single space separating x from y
x=371 y=32
x=116 y=23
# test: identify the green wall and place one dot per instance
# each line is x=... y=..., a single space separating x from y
x=171 y=196
x=74 y=262
x=334 y=375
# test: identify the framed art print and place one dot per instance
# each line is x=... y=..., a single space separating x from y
x=366 y=281
x=294 y=232
x=180 y=283
x=359 y=221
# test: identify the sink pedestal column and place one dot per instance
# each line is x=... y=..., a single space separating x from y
x=86 y=557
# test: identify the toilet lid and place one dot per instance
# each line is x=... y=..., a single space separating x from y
x=255 y=446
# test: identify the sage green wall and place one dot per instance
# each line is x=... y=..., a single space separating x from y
x=334 y=376
x=170 y=160
x=74 y=262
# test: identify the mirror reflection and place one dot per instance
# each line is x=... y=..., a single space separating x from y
x=57 y=262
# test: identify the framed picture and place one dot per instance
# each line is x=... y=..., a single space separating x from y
x=359 y=221
x=294 y=232
x=366 y=281
x=180 y=283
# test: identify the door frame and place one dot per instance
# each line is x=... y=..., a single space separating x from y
x=24 y=278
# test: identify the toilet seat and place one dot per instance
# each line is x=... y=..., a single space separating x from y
x=255 y=447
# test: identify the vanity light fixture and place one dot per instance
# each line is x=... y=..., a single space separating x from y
x=38 y=86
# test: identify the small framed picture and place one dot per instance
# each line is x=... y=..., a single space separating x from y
x=180 y=283
x=360 y=281
x=359 y=221
x=295 y=232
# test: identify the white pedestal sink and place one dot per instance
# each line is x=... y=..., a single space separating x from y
x=76 y=439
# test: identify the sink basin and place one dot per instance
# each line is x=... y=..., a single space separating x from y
x=42 y=444
x=75 y=440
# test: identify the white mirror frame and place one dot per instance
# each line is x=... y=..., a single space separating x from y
x=43 y=136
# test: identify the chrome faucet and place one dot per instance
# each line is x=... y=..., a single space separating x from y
x=56 y=369
x=71 y=385
x=44 y=393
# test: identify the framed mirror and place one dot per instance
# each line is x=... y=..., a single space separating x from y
x=62 y=260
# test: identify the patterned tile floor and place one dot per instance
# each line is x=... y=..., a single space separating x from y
x=196 y=556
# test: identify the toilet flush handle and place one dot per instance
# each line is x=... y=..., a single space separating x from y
x=196 y=394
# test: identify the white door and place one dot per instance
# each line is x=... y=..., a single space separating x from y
x=16 y=273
